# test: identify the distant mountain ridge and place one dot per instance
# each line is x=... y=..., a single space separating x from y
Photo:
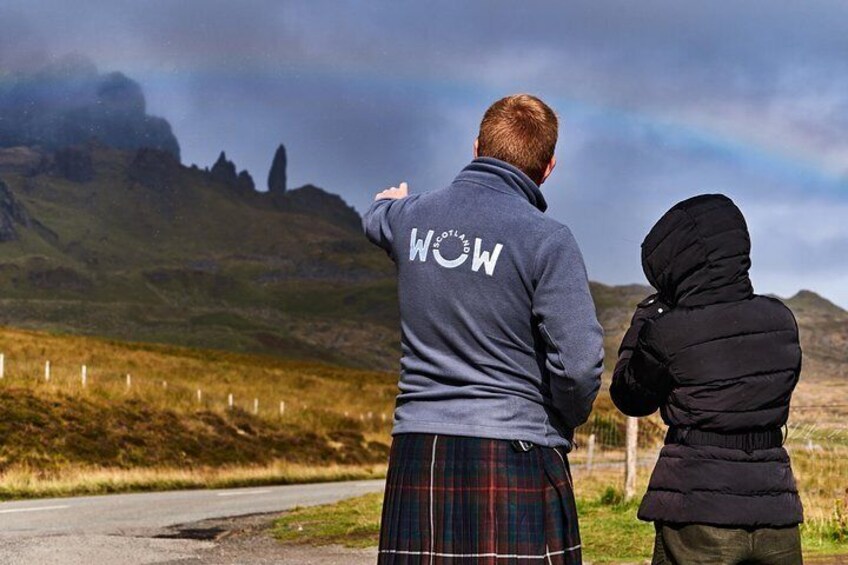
x=810 y=302
x=823 y=329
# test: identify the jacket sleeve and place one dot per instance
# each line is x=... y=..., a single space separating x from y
x=640 y=381
x=378 y=219
x=574 y=340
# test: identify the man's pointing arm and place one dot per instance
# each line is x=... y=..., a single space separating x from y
x=376 y=221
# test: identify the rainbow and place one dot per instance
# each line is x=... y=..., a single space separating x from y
x=793 y=163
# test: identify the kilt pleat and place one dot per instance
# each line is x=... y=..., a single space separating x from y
x=452 y=499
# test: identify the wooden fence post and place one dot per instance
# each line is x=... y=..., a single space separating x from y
x=84 y=375
x=199 y=396
x=630 y=458
x=47 y=371
x=129 y=381
x=282 y=408
x=590 y=455
x=230 y=401
x=255 y=406
x=2 y=365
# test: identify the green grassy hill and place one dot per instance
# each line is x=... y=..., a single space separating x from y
x=135 y=246
x=150 y=250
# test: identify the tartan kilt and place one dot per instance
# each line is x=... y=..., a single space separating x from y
x=453 y=499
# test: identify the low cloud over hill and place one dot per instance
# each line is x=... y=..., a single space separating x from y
x=68 y=102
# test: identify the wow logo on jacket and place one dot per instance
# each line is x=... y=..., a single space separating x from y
x=452 y=243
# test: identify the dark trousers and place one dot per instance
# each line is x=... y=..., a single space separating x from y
x=696 y=544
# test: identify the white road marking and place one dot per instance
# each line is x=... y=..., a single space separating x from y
x=243 y=493
x=32 y=509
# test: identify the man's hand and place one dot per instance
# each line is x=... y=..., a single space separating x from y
x=394 y=193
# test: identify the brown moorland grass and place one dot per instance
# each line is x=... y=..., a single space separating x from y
x=24 y=482
x=169 y=377
x=157 y=432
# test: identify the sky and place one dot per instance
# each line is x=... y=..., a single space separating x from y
x=658 y=101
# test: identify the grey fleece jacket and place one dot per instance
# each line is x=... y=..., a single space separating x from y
x=498 y=329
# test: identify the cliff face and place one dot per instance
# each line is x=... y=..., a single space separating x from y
x=12 y=215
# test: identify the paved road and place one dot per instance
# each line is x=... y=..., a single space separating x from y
x=138 y=528
x=178 y=527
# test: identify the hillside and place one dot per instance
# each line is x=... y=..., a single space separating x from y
x=104 y=232
x=157 y=420
x=824 y=338
x=134 y=245
x=154 y=417
x=823 y=325
x=823 y=329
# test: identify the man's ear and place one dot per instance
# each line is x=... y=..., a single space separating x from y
x=549 y=169
x=476 y=147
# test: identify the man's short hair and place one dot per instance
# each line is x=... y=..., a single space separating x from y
x=521 y=130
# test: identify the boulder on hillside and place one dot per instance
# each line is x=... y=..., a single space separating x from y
x=277 y=176
x=12 y=214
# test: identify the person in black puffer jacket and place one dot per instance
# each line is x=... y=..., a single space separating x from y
x=720 y=363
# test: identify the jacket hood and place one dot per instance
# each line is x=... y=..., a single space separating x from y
x=699 y=253
x=500 y=175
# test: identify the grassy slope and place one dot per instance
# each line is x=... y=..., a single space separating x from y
x=192 y=263
x=58 y=429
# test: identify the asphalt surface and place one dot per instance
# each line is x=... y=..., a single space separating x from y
x=209 y=527
x=165 y=527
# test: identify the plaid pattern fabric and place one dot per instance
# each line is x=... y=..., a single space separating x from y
x=452 y=500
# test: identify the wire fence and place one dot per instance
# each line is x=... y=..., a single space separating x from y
x=184 y=393
x=603 y=438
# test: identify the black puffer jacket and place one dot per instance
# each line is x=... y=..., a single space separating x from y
x=720 y=363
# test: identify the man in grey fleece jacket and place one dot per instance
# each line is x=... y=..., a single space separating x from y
x=499 y=333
